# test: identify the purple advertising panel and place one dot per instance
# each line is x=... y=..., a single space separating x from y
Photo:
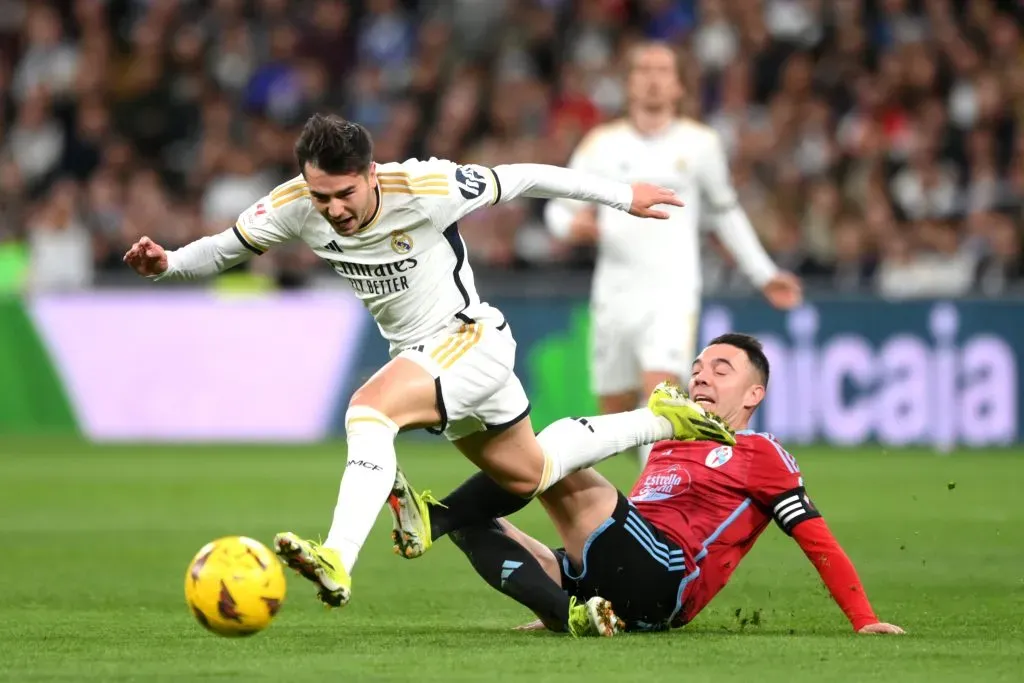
x=202 y=366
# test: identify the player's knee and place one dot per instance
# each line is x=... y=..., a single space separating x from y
x=520 y=480
x=366 y=397
x=372 y=401
x=362 y=419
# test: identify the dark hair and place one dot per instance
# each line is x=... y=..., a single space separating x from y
x=334 y=145
x=751 y=346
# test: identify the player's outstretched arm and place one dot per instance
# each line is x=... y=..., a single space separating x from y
x=204 y=257
x=776 y=483
x=782 y=289
x=837 y=571
x=541 y=181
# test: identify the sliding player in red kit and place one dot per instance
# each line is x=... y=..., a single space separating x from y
x=654 y=560
x=714 y=501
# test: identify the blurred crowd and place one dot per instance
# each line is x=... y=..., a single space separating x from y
x=876 y=145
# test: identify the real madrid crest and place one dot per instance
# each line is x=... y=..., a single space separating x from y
x=401 y=243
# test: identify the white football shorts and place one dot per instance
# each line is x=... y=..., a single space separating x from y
x=473 y=369
x=627 y=340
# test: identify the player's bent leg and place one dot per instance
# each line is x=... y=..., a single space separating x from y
x=526 y=465
x=544 y=555
x=400 y=394
x=632 y=563
x=511 y=457
x=517 y=566
x=524 y=569
x=510 y=461
x=578 y=506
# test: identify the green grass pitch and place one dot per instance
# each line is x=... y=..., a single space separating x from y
x=96 y=540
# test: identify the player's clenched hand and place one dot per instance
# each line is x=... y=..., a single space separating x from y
x=882 y=628
x=146 y=257
x=646 y=196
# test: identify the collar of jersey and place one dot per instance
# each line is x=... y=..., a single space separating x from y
x=376 y=214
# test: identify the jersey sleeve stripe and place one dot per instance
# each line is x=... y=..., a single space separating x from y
x=788 y=460
x=431 y=185
x=401 y=177
x=721 y=528
x=497 y=187
x=398 y=189
x=246 y=241
x=287 y=188
x=297 y=193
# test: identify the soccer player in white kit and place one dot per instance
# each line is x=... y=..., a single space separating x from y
x=391 y=230
x=646 y=290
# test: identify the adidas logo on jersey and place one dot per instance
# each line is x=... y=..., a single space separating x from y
x=332 y=246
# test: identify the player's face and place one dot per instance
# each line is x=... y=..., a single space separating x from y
x=653 y=81
x=345 y=201
x=725 y=382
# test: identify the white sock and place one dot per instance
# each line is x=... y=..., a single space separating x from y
x=366 y=483
x=574 y=444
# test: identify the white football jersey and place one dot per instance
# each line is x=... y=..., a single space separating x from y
x=643 y=255
x=408 y=264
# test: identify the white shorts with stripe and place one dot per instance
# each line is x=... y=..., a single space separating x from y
x=473 y=370
x=627 y=340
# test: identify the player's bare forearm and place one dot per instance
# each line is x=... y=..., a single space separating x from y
x=836 y=571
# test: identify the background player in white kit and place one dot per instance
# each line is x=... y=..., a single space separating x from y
x=391 y=231
x=645 y=299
